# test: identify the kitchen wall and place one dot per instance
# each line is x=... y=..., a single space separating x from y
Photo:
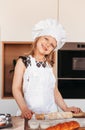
x=16 y=20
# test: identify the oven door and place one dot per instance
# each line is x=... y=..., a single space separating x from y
x=72 y=89
x=71 y=64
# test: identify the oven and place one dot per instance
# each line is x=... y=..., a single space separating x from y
x=71 y=70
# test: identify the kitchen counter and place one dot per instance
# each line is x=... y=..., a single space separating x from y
x=80 y=120
x=21 y=124
x=18 y=124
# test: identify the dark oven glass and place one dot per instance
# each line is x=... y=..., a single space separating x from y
x=72 y=89
x=71 y=63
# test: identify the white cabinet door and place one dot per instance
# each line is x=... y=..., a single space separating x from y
x=17 y=17
x=72 y=16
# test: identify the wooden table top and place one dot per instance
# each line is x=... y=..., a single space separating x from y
x=22 y=124
x=18 y=124
x=80 y=120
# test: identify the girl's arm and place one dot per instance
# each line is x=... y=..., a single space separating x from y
x=17 y=89
x=60 y=102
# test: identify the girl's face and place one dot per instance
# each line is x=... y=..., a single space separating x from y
x=46 y=44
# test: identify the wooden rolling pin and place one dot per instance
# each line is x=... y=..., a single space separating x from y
x=60 y=115
x=79 y=115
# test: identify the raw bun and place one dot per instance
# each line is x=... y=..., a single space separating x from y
x=44 y=124
x=40 y=116
x=33 y=124
x=60 y=115
x=2 y=123
x=65 y=126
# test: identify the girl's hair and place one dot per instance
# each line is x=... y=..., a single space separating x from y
x=49 y=58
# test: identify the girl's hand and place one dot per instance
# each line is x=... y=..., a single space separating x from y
x=27 y=113
x=74 y=109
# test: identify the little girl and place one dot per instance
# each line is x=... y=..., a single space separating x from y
x=34 y=84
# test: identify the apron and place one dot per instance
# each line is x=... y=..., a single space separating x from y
x=38 y=88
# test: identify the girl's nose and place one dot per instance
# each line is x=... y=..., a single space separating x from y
x=48 y=44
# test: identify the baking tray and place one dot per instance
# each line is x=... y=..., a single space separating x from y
x=7 y=118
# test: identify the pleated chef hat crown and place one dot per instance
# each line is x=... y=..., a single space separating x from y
x=50 y=27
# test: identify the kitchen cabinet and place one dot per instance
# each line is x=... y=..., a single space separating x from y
x=11 y=52
x=72 y=16
x=18 y=17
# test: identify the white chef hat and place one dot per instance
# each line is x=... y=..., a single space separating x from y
x=52 y=28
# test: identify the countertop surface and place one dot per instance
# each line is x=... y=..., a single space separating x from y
x=21 y=124
x=80 y=120
x=18 y=124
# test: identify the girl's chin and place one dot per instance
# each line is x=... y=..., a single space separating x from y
x=45 y=53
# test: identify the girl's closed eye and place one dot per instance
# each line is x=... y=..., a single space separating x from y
x=46 y=38
x=52 y=45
